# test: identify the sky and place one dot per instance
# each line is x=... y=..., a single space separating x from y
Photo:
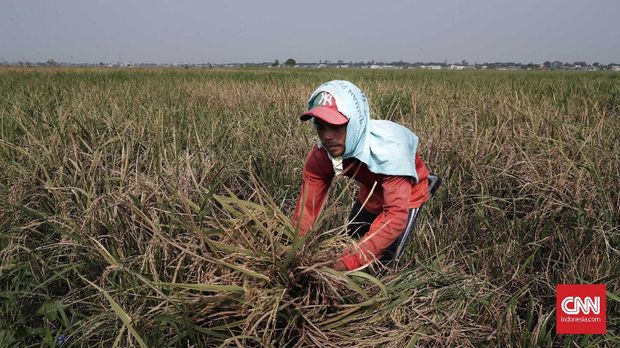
x=235 y=31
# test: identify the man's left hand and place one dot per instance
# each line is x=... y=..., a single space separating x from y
x=339 y=266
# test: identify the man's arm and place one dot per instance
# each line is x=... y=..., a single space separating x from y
x=316 y=179
x=387 y=227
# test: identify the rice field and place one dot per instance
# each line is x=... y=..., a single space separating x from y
x=152 y=208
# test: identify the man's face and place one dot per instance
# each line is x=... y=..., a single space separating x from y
x=332 y=137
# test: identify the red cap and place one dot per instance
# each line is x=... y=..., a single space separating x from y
x=324 y=106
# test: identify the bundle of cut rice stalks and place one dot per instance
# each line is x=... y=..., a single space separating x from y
x=242 y=277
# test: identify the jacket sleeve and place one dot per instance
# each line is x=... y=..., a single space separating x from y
x=387 y=227
x=315 y=182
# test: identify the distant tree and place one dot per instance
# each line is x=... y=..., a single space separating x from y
x=51 y=62
x=464 y=62
x=596 y=64
x=290 y=62
x=547 y=64
x=276 y=63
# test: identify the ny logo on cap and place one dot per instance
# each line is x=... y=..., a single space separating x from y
x=326 y=99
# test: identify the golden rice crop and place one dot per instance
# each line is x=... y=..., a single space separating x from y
x=151 y=207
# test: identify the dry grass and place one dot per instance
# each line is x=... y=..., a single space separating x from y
x=151 y=207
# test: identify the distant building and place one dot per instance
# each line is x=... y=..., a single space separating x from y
x=384 y=66
x=431 y=67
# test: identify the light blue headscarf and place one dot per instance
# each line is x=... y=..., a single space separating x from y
x=384 y=146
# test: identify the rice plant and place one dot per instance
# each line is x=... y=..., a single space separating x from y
x=152 y=208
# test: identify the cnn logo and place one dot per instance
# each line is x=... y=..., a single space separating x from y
x=581 y=309
x=574 y=305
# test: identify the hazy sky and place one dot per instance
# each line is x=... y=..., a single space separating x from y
x=260 y=31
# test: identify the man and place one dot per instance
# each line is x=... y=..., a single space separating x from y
x=381 y=155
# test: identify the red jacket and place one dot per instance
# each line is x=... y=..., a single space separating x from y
x=391 y=199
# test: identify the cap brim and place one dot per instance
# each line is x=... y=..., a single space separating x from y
x=326 y=114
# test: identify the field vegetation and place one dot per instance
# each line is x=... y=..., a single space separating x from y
x=152 y=208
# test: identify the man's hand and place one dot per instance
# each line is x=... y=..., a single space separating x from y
x=339 y=266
